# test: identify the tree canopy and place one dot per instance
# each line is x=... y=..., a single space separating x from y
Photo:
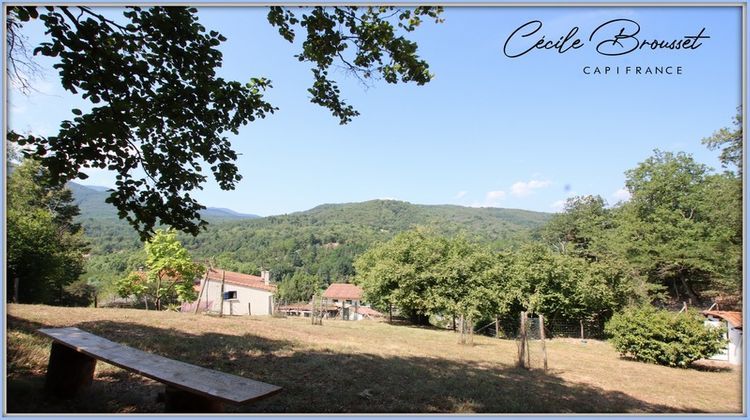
x=422 y=272
x=159 y=109
x=672 y=230
x=170 y=274
x=45 y=246
x=729 y=140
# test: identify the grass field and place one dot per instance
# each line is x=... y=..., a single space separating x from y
x=356 y=367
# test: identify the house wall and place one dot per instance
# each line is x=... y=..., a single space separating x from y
x=260 y=301
x=733 y=351
x=350 y=307
x=723 y=354
x=735 y=346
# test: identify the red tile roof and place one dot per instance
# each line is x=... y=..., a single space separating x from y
x=364 y=310
x=239 y=279
x=343 y=291
x=734 y=318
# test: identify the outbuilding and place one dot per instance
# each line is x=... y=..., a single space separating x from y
x=732 y=322
x=348 y=299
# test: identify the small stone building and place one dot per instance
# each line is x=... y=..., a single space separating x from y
x=348 y=299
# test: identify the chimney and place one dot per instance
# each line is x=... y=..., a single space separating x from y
x=266 y=276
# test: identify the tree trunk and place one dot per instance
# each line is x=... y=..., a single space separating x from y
x=689 y=290
x=497 y=327
x=676 y=290
x=15 y=289
x=470 y=326
x=158 y=293
x=462 y=326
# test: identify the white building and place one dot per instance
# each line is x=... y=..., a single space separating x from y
x=240 y=294
x=732 y=323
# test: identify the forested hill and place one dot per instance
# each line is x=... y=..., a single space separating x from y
x=90 y=199
x=323 y=241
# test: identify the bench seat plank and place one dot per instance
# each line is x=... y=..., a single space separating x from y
x=222 y=386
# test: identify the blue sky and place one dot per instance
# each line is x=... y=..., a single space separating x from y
x=487 y=131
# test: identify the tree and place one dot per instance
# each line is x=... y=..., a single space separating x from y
x=577 y=228
x=730 y=142
x=171 y=272
x=399 y=273
x=45 y=247
x=671 y=230
x=82 y=292
x=160 y=108
x=564 y=286
x=465 y=285
x=300 y=287
x=723 y=198
x=422 y=273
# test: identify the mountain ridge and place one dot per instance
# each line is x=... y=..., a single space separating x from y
x=90 y=199
x=323 y=241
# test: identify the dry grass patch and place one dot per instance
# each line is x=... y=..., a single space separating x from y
x=358 y=367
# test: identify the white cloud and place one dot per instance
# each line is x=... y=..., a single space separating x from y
x=558 y=205
x=461 y=194
x=621 y=195
x=491 y=199
x=495 y=196
x=522 y=189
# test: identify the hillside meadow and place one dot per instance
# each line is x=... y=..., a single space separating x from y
x=357 y=367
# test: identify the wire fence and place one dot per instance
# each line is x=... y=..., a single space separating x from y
x=508 y=327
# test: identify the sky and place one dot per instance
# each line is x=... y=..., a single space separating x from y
x=488 y=131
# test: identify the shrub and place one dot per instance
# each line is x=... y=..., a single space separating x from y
x=666 y=338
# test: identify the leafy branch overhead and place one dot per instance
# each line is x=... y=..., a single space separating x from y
x=332 y=34
x=161 y=115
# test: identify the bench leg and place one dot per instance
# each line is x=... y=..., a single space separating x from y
x=68 y=371
x=179 y=401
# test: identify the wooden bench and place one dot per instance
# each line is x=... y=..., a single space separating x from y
x=189 y=388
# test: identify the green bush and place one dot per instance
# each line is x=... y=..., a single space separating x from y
x=666 y=338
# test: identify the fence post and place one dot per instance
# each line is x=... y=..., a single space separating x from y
x=497 y=326
x=470 y=325
x=544 y=345
x=581 y=322
x=522 y=345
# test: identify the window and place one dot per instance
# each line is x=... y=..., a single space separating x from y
x=349 y=301
x=230 y=295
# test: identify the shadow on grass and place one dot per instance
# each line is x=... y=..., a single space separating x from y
x=702 y=365
x=713 y=366
x=318 y=381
